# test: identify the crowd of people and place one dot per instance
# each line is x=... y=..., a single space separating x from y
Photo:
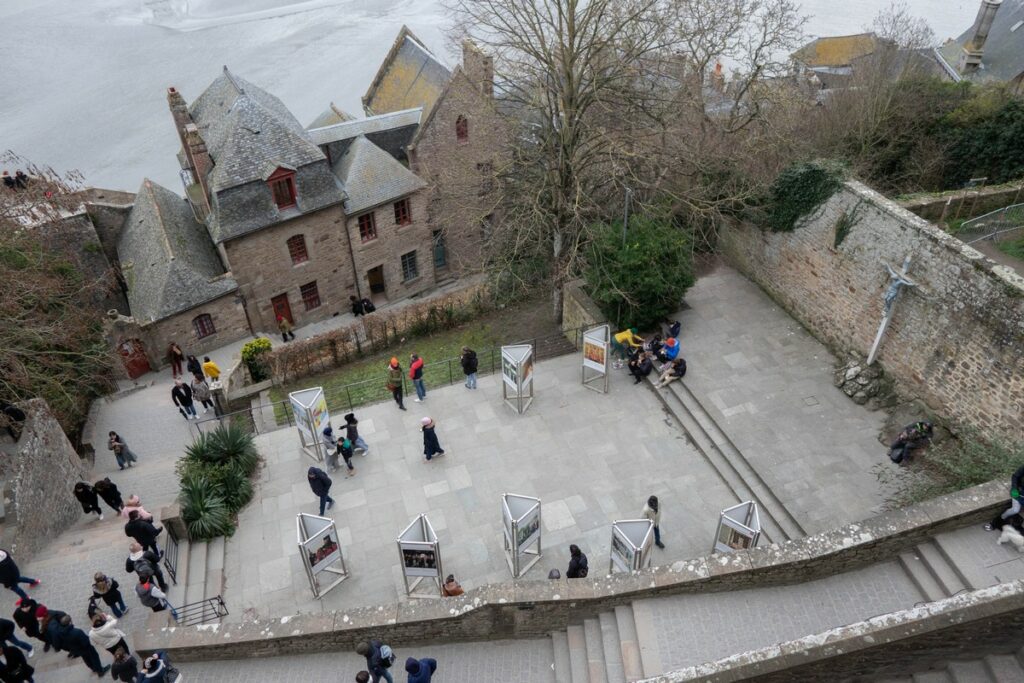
x=641 y=355
x=18 y=181
x=185 y=394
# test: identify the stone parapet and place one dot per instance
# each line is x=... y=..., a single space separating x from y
x=578 y=309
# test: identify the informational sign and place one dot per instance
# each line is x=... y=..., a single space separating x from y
x=320 y=549
x=517 y=376
x=311 y=416
x=631 y=545
x=521 y=516
x=596 y=342
x=421 y=558
x=739 y=528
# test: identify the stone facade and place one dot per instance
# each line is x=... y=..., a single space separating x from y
x=956 y=340
x=578 y=309
x=38 y=480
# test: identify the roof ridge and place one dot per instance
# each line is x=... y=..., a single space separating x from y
x=160 y=219
x=234 y=83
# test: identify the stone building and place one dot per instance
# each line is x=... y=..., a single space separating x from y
x=990 y=51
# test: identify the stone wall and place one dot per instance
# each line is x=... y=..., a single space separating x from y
x=965 y=203
x=956 y=340
x=38 y=478
x=963 y=627
x=526 y=609
x=578 y=309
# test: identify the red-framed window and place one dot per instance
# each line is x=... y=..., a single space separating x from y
x=403 y=212
x=462 y=128
x=297 y=249
x=310 y=295
x=203 y=325
x=367 y=227
x=282 y=186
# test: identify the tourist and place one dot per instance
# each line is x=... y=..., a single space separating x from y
x=49 y=624
x=654 y=344
x=87 y=498
x=143 y=532
x=1016 y=481
x=194 y=367
x=368 y=306
x=330 y=444
x=578 y=568
x=320 y=483
x=673 y=328
x=641 y=366
x=107 y=589
x=107 y=490
x=395 y=382
x=157 y=669
x=10 y=575
x=357 y=305
x=285 y=327
x=451 y=587
x=175 y=356
x=134 y=503
x=104 y=633
x=122 y=453
x=669 y=351
x=20 y=179
x=201 y=392
x=16 y=668
x=469 y=364
x=652 y=512
x=912 y=437
x=144 y=562
x=149 y=595
x=9 y=181
x=416 y=375
x=125 y=667
x=673 y=371
x=379 y=659
x=623 y=339
x=352 y=432
x=27 y=614
x=7 y=635
x=431 y=446
x=181 y=395
x=77 y=643
x=420 y=670
x=345 y=451
x=211 y=369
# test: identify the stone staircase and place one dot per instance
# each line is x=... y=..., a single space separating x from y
x=200 y=577
x=608 y=648
x=990 y=669
x=932 y=568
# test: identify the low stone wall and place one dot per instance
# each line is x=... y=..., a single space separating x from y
x=38 y=480
x=578 y=309
x=525 y=609
x=964 y=203
x=966 y=626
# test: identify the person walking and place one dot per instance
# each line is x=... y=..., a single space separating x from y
x=330 y=442
x=395 y=382
x=125 y=667
x=578 y=568
x=1016 y=482
x=201 y=392
x=107 y=490
x=285 y=327
x=416 y=375
x=77 y=643
x=133 y=503
x=210 y=369
x=431 y=446
x=122 y=453
x=107 y=589
x=652 y=512
x=469 y=363
x=87 y=498
x=144 y=563
x=181 y=394
x=143 y=532
x=320 y=484
x=194 y=367
x=379 y=659
x=345 y=451
x=27 y=614
x=8 y=635
x=175 y=356
x=352 y=433
x=420 y=670
x=149 y=595
x=16 y=668
x=10 y=575
x=105 y=634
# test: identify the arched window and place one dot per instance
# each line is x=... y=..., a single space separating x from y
x=203 y=325
x=462 y=128
x=297 y=249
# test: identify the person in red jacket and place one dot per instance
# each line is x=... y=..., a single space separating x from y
x=416 y=375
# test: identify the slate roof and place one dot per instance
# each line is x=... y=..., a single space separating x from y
x=330 y=116
x=168 y=260
x=1003 y=57
x=367 y=126
x=371 y=176
x=410 y=76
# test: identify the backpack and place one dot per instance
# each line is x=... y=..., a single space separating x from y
x=387 y=656
x=144 y=566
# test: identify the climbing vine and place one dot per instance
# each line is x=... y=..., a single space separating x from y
x=799 y=190
x=845 y=223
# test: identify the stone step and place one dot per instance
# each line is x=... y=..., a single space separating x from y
x=647 y=638
x=577 y=654
x=611 y=643
x=1004 y=668
x=195 y=589
x=595 y=651
x=176 y=592
x=214 y=568
x=962 y=560
x=632 y=666
x=940 y=568
x=941 y=676
x=921 y=577
x=969 y=672
x=560 y=645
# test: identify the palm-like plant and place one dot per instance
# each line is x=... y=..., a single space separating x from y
x=204 y=509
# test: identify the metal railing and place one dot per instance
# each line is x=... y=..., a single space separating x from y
x=200 y=612
x=993 y=224
x=171 y=556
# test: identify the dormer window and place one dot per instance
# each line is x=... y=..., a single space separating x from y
x=282 y=186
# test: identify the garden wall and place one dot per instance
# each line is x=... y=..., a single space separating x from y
x=956 y=340
x=965 y=203
x=578 y=310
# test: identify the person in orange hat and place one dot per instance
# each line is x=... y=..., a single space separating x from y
x=395 y=382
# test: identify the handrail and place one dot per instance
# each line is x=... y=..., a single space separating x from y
x=200 y=612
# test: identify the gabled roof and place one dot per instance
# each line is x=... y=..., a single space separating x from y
x=836 y=51
x=168 y=260
x=371 y=176
x=367 y=126
x=245 y=129
x=330 y=116
x=1003 y=56
x=410 y=76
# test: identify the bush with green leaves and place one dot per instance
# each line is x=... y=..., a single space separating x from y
x=642 y=281
x=799 y=190
x=254 y=355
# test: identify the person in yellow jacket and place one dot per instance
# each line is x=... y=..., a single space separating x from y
x=623 y=339
x=210 y=368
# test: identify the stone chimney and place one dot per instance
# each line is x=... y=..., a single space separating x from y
x=200 y=163
x=479 y=68
x=179 y=111
x=974 y=48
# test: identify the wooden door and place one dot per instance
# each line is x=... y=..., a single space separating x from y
x=281 y=308
x=133 y=355
x=376 y=278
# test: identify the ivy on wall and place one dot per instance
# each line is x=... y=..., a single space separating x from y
x=844 y=224
x=799 y=190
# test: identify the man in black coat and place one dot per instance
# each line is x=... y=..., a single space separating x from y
x=77 y=643
x=145 y=562
x=142 y=531
x=10 y=575
x=320 y=484
x=469 y=363
x=181 y=394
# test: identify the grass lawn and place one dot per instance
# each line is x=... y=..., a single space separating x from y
x=1014 y=248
